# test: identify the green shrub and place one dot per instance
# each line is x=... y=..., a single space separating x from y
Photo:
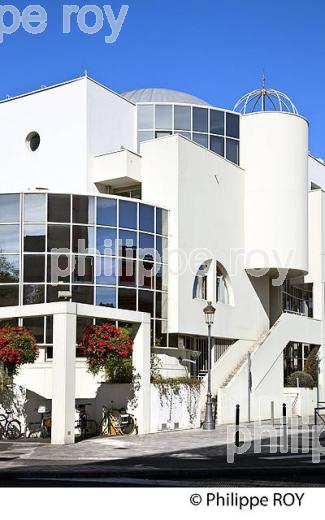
x=305 y=380
x=311 y=364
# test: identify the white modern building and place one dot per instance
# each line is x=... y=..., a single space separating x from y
x=144 y=205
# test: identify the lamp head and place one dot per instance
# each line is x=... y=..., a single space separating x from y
x=209 y=312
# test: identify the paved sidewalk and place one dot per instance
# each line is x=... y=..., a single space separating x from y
x=186 y=443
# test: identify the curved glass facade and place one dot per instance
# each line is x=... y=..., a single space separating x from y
x=106 y=250
x=217 y=130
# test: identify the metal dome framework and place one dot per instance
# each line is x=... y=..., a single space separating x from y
x=260 y=99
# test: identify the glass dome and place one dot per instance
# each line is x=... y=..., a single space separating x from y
x=265 y=100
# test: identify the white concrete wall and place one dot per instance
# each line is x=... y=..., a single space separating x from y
x=76 y=121
x=303 y=400
x=316 y=172
x=111 y=123
x=274 y=153
x=59 y=116
x=205 y=194
x=182 y=408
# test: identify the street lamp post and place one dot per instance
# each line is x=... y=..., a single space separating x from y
x=208 y=424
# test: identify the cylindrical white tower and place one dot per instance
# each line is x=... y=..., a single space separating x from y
x=274 y=154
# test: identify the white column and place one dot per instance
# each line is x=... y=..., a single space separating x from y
x=142 y=365
x=63 y=373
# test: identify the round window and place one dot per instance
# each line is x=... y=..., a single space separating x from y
x=33 y=141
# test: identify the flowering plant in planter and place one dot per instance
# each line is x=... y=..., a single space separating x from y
x=17 y=347
x=108 y=348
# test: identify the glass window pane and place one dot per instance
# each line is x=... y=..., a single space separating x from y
x=161 y=305
x=58 y=237
x=145 y=117
x=127 y=299
x=49 y=329
x=161 y=221
x=161 y=250
x=52 y=294
x=128 y=244
x=106 y=296
x=145 y=136
x=147 y=246
x=106 y=270
x=200 y=119
x=182 y=118
x=59 y=207
x=106 y=212
x=188 y=135
x=83 y=322
x=127 y=272
x=146 y=302
x=83 y=294
x=34 y=268
x=36 y=325
x=147 y=218
x=9 y=269
x=9 y=208
x=217 y=145
x=83 y=210
x=9 y=239
x=164 y=117
x=34 y=207
x=33 y=294
x=161 y=277
x=34 y=238
x=217 y=122
x=83 y=269
x=83 y=239
x=106 y=241
x=128 y=214
x=232 y=125
x=58 y=268
x=146 y=274
x=233 y=151
x=201 y=139
x=12 y=322
x=9 y=295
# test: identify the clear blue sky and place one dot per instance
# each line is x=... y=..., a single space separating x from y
x=214 y=49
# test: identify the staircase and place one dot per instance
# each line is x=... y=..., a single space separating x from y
x=266 y=366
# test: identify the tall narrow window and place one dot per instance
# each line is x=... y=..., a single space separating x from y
x=200 y=287
x=222 y=294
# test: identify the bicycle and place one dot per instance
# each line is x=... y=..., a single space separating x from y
x=86 y=427
x=117 y=422
x=40 y=429
x=9 y=428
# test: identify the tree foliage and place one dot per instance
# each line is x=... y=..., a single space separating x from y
x=312 y=363
x=305 y=380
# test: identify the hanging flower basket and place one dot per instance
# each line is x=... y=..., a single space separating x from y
x=108 y=348
x=17 y=347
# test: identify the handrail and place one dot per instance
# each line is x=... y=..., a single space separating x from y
x=316 y=414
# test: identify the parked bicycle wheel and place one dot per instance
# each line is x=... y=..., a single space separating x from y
x=3 y=421
x=127 y=424
x=104 y=426
x=13 y=430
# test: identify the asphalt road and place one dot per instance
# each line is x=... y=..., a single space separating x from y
x=177 y=459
